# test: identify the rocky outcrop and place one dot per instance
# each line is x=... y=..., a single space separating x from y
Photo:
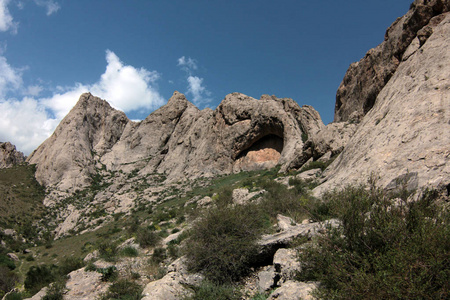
x=178 y=139
x=407 y=130
x=9 y=156
x=67 y=158
x=365 y=79
x=173 y=286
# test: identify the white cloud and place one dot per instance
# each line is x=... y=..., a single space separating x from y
x=199 y=93
x=195 y=84
x=51 y=5
x=25 y=123
x=28 y=122
x=34 y=90
x=126 y=87
x=10 y=78
x=187 y=64
x=6 y=20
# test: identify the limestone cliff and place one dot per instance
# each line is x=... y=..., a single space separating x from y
x=365 y=79
x=406 y=135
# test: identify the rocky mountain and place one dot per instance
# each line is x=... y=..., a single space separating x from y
x=9 y=156
x=365 y=79
x=145 y=201
x=406 y=134
x=178 y=139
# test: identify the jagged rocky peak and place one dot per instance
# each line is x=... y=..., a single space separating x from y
x=365 y=79
x=67 y=157
x=9 y=156
x=178 y=139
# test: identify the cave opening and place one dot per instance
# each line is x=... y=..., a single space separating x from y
x=264 y=153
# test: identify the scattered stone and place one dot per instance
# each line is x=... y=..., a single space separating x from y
x=13 y=256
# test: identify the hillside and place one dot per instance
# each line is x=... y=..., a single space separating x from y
x=256 y=199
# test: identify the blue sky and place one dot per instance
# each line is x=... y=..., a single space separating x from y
x=136 y=53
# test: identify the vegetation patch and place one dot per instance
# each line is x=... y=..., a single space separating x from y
x=385 y=249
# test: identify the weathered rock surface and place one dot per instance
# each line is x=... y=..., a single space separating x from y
x=365 y=79
x=294 y=290
x=174 y=285
x=330 y=139
x=66 y=159
x=9 y=156
x=83 y=285
x=179 y=140
x=408 y=128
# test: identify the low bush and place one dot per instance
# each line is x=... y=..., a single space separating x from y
x=123 y=290
x=147 y=237
x=208 y=290
x=39 y=276
x=8 y=279
x=384 y=249
x=108 y=251
x=159 y=255
x=129 y=251
x=70 y=264
x=56 y=291
x=223 y=244
x=108 y=274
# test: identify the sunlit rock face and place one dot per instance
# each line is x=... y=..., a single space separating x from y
x=178 y=139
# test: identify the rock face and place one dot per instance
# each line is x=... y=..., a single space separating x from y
x=408 y=129
x=364 y=80
x=9 y=156
x=66 y=159
x=178 y=139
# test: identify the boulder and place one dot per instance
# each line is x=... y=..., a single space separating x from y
x=286 y=264
x=174 y=285
x=294 y=290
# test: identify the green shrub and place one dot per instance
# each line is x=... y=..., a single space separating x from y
x=146 y=237
x=123 y=290
x=129 y=251
x=8 y=279
x=90 y=267
x=7 y=262
x=39 y=276
x=223 y=244
x=14 y=296
x=159 y=255
x=108 y=251
x=212 y=291
x=70 y=264
x=56 y=291
x=383 y=250
x=109 y=273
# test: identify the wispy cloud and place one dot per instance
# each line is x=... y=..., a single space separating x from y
x=29 y=121
x=6 y=20
x=195 y=88
x=51 y=5
x=10 y=78
x=187 y=64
